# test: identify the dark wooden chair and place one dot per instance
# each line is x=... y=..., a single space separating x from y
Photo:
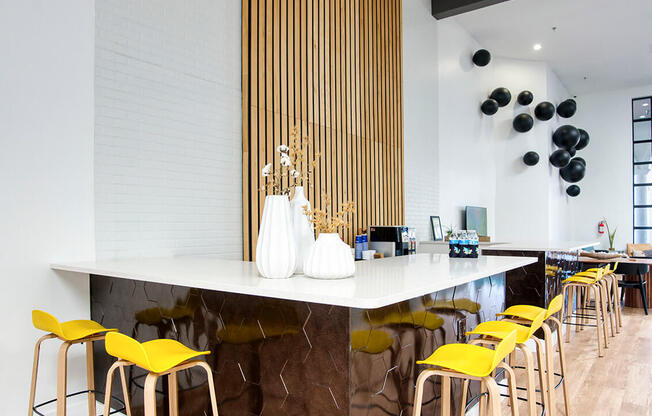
x=634 y=270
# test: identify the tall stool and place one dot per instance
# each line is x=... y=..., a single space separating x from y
x=589 y=282
x=469 y=362
x=160 y=357
x=527 y=315
x=491 y=332
x=633 y=269
x=70 y=333
x=609 y=283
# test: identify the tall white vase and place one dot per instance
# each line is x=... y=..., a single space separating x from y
x=304 y=233
x=329 y=258
x=276 y=249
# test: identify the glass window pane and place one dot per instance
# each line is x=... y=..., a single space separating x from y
x=641 y=108
x=643 y=130
x=643 y=174
x=642 y=217
x=642 y=236
x=642 y=152
x=643 y=195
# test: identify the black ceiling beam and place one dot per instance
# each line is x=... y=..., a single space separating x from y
x=447 y=8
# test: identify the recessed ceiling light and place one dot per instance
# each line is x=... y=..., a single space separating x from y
x=537 y=47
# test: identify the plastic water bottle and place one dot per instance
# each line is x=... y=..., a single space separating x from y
x=474 y=243
x=453 y=247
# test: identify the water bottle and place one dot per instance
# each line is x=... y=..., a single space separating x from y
x=453 y=249
x=465 y=244
x=474 y=244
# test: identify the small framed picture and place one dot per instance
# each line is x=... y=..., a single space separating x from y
x=437 y=233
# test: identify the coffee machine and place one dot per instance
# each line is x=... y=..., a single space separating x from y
x=390 y=240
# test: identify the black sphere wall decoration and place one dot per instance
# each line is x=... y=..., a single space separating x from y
x=584 y=140
x=567 y=108
x=502 y=96
x=481 y=57
x=523 y=122
x=489 y=107
x=573 y=172
x=581 y=160
x=544 y=111
x=525 y=98
x=560 y=158
x=573 y=190
x=566 y=136
x=531 y=158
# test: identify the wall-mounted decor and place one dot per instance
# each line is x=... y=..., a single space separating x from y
x=502 y=96
x=584 y=140
x=572 y=151
x=525 y=98
x=435 y=224
x=481 y=57
x=531 y=158
x=566 y=136
x=334 y=69
x=573 y=190
x=523 y=123
x=544 y=111
x=489 y=106
x=560 y=158
x=567 y=108
x=581 y=160
x=573 y=172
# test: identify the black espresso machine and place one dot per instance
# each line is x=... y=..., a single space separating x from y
x=390 y=240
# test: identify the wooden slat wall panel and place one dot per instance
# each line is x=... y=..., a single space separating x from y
x=334 y=69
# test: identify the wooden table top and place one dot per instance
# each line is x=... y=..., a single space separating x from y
x=632 y=260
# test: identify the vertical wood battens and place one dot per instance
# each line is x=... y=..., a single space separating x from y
x=333 y=68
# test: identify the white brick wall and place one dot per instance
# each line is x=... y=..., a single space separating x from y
x=168 y=128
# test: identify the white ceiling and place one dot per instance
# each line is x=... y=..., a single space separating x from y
x=607 y=41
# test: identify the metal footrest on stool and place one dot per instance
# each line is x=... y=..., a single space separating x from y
x=101 y=393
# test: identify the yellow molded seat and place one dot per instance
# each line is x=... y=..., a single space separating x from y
x=472 y=360
x=70 y=330
x=530 y=313
x=157 y=356
x=371 y=342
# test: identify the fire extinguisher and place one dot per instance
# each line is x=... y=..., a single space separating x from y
x=601 y=227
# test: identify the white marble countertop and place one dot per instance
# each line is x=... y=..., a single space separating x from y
x=543 y=246
x=376 y=283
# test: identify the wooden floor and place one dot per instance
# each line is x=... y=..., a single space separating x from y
x=620 y=383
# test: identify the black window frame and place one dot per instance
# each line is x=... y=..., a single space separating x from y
x=634 y=164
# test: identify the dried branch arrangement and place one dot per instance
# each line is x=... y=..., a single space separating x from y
x=326 y=221
x=294 y=167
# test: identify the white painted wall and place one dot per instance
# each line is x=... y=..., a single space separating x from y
x=168 y=144
x=420 y=109
x=46 y=178
x=607 y=187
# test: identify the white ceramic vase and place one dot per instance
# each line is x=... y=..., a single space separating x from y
x=276 y=249
x=304 y=233
x=329 y=258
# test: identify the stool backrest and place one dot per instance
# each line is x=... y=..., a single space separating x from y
x=537 y=322
x=46 y=322
x=126 y=348
x=504 y=348
x=554 y=306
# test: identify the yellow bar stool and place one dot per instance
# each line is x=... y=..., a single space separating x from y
x=70 y=333
x=492 y=332
x=610 y=282
x=586 y=283
x=160 y=357
x=469 y=362
x=528 y=315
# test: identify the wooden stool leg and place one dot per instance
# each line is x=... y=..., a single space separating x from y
x=465 y=392
x=32 y=391
x=617 y=304
x=494 y=397
x=173 y=392
x=125 y=391
x=567 y=305
x=62 y=378
x=550 y=368
x=445 y=396
x=531 y=385
x=109 y=387
x=90 y=378
x=606 y=305
x=418 y=392
x=542 y=379
x=150 y=394
x=211 y=385
x=484 y=399
x=562 y=365
x=511 y=384
x=598 y=322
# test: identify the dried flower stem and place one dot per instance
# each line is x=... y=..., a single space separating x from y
x=326 y=221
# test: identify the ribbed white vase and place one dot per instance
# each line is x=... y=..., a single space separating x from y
x=304 y=233
x=276 y=249
x=329 y=258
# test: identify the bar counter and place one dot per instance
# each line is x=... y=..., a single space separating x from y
x=297 y=346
